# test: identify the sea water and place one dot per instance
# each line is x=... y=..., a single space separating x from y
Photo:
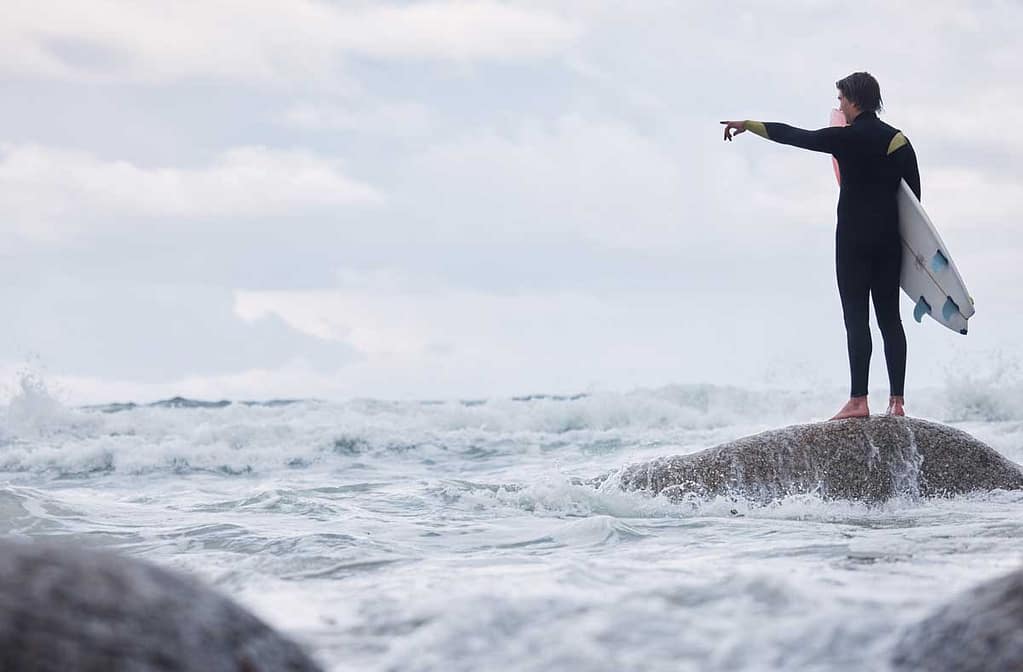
x=465 y=534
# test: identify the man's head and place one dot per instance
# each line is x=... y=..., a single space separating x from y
x=859 y=92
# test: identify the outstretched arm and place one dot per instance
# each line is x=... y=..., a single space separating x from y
x=827 y=140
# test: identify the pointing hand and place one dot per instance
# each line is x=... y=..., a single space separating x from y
x=733 y=128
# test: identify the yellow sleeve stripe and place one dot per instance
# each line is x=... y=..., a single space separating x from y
x=757 y=127
x=898 y=141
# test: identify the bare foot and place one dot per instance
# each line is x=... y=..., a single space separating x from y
x=895 y=406
x=856 y=407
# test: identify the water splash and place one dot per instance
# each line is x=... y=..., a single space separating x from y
x=33 y=411
x=990 y=391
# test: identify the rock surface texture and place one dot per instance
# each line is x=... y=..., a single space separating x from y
x=871 y=459
x=65 y=608
x=978 y=631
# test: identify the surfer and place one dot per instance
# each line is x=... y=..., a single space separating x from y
x=873 y=158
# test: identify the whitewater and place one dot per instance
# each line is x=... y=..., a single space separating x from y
x=466 y=535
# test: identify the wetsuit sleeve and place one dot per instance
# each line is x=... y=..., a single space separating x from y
x=910 y=169
x=829 y=140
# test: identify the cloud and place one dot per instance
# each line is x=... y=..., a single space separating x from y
x=47 y=193
x=413 y=331
x=418 y=337
x=965 y=198
x=556 y=166
x=262 y=40
x=400 y=119
x=150 y=332
x=595 y=180
x=607 y=183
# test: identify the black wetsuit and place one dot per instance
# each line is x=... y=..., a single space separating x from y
x=873 y=159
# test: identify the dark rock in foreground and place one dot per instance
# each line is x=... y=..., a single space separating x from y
x=871 y=459
x=65 y=608
x=978 y=631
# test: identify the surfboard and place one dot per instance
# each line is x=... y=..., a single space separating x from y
x=929 y=276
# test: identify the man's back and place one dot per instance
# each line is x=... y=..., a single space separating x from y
x=873 y=159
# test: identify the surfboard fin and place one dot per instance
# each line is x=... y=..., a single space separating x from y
x=939 y=262
x=949 y=309
x=922 y=308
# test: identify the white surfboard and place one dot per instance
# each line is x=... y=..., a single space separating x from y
x=929 y=276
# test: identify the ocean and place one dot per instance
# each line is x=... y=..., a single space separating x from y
x=465 y=534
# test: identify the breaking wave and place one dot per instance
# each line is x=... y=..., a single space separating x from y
x=38 y=433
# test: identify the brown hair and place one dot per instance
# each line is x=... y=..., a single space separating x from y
x=861 y=88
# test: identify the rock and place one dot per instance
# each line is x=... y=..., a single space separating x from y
x=980 y=630
x=65 y=608
x=870 y=459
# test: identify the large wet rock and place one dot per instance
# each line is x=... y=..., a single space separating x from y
x=65 y=608
x=870 y=459
x=978 y=631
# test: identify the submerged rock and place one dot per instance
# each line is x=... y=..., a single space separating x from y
x=871 y=459
x=70 y=608
x=979 y=630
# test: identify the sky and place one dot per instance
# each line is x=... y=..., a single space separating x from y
x=462 y=199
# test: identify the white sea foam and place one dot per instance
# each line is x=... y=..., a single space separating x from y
x=470 y=535
x=41 y=434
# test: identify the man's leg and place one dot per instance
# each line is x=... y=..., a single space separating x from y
x=854 y=273
x=884 y=288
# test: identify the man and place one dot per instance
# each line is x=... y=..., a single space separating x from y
x=873 y=158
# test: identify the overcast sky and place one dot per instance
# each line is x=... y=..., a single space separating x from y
x=462 y=199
